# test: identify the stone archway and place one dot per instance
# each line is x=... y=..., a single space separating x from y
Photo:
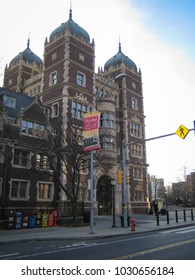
x=104 y=196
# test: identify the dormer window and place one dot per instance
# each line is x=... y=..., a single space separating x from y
x=9 y=101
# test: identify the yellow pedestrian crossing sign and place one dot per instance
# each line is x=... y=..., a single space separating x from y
x=182 y=131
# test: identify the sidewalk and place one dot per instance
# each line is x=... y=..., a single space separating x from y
x=102 y=229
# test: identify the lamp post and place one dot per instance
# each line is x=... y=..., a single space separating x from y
x=124 y=186
x=113 y=183
x=98 y=96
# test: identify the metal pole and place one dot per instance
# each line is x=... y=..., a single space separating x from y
x=192 y=216
x=113 y=205
x=167 y=217
x=91 y=197
x=176 y=216
x=184 y=215
x=124 y=189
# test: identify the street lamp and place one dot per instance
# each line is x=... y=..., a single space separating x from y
x=98 y=96
x=113 y=182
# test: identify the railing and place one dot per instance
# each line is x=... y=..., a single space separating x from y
x=176 y=216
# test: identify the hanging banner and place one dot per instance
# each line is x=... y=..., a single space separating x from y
x=91 y=131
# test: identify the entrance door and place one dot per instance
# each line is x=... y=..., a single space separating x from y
x=104 y=196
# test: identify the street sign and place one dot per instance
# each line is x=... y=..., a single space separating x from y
x=182 y=131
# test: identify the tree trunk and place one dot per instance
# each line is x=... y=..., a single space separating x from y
x=74 y=211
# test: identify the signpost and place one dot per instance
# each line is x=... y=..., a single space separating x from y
x=182 y=131
x=91 y=143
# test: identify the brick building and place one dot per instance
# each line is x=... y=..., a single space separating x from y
x=67 y=83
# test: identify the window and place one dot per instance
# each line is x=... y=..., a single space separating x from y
x=107 y=143
x=53 y=79
x=137 y=150
x=138 y=196
x=134 y=103
x=45 y=191
x=42 y=162
x=55 y=110
x=80 y=79
x=54 y=56
x=10 y=101
x=21 y=158
x=78 y=110
x=136 y=130
x=19 y=190
x=107 y=120
x=33 y=129
x=137 y=173
x=133 y=85
x=39 y=130
x=81 y=57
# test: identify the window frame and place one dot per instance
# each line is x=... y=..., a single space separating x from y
x=53 y=78
x=50 y=194
x=19 y=189
x=78 y=109
x=81 y=79
x=134 y=103
x=136 y=130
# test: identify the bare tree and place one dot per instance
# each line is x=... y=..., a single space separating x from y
x=67 y=159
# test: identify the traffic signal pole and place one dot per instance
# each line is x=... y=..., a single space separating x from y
x=124 y=186
x=124 y=170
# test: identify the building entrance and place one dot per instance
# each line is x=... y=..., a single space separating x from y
x=104 y=196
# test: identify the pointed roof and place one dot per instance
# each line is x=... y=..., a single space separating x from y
x=118 y=59
x=27 y=55
x=74 y=28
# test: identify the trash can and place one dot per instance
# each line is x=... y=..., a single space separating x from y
x=18 y=220
x=86 y=217
x=9 y=220
x=44 y=220
x=122 y=221
x=32 y=221
x=50 y=220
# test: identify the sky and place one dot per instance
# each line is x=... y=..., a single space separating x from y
x=158 y=35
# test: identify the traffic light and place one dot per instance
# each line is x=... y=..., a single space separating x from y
x=119 y=177
x=128 y=179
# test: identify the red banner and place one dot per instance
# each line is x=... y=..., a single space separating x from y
x=91 y=131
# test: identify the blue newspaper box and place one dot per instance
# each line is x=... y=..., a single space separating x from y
x=32 y=221
x=18 y=220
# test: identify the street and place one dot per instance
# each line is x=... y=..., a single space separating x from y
x=168 y=244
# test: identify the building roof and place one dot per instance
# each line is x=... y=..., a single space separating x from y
x=118 y=59
x=74 y=28
x=22 y=101
x=27 y=55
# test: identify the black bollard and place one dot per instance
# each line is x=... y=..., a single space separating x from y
x=176 y=216
x=184 y=215
x=157 y=218
x=192 y=215
x=168 y=217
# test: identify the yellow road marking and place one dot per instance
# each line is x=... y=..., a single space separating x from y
x=141 y=253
